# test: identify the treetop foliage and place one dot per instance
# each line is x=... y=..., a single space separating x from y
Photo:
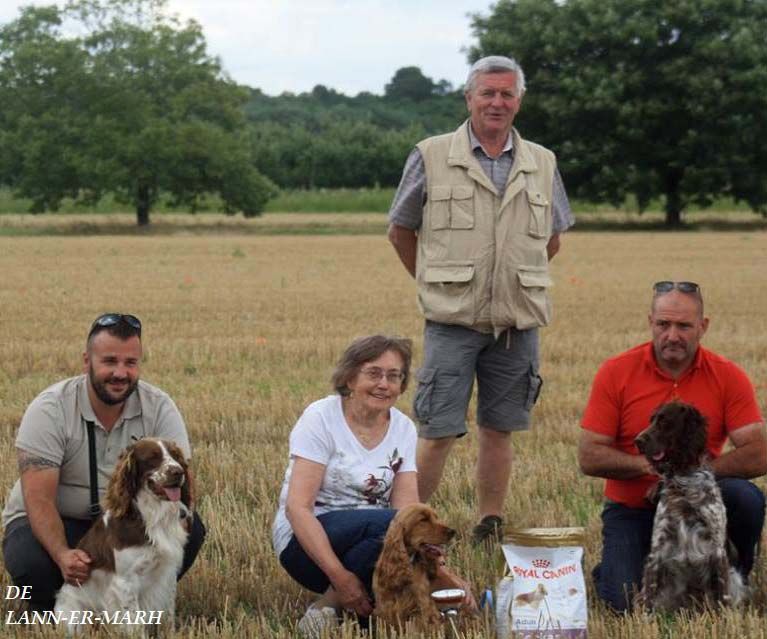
x=116 y=96
x=637 y=98
x=326 y=139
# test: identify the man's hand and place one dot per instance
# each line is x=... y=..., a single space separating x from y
x=74 y=565
x=598 y=457
x=352 y=594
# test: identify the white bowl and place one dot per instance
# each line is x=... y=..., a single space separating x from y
x=450 y=597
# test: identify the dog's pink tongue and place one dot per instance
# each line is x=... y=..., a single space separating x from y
x=173 y=494
x=433 y=550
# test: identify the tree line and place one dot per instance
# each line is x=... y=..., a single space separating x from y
x=636 y=98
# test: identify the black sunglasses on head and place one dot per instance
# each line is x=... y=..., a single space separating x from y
x=667 y=286
x=111 y=319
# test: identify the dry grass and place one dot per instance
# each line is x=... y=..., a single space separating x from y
x=243 y=331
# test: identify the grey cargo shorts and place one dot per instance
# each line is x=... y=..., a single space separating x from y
x=506 y=369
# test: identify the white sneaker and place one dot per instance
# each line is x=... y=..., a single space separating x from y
x=316 y=620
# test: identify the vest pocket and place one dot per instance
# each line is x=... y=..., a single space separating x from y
x=447 y=293
x=451 y=207
x=538 y=207
x=462 y=207
x=439 y=207
x=533 y=305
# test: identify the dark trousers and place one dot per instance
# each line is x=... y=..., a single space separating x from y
x=356 y=537
x=28 y=563
x=627 y=532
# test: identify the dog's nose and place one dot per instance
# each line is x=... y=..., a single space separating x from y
x=175 y=473
x=451 y=533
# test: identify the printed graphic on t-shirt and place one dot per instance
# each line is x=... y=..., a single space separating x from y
x=378 y=489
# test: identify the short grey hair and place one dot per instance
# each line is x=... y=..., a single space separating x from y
x=495 y=64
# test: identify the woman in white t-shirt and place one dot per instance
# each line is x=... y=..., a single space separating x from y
x=352 y=464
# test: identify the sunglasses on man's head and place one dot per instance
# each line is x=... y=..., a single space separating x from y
x=684 y=287
x=111 y=319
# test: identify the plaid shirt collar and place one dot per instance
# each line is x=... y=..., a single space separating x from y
x=476 y=144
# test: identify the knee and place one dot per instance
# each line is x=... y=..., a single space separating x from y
x=193 y=544
x=378 y=526
x=29 y=564
x=490 y=437
x=198 y=532
x=617 y=593
x=743 y=500
x=435 y=446
x=39 y=572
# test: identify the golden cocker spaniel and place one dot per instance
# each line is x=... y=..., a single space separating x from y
x=408 y=564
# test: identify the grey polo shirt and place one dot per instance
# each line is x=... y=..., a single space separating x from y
x=53 y=427
x=407 y=207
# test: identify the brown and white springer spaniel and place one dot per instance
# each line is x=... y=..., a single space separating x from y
x=688 y=565
x=136 y=547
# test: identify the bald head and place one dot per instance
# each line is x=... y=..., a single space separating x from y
x=696 y=297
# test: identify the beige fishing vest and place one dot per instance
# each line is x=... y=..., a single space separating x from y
x=482 y=260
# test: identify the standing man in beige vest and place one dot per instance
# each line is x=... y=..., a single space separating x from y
x=476 y=220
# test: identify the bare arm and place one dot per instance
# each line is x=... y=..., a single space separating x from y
x=305 y=482
x=404 y=491
x=405 y=242
x=552 y=248
x=748 y=458
x=39 y=483
x=598 y=457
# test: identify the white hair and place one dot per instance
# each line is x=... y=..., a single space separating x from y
x=495 y=64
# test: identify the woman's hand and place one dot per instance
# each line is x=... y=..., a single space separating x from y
x=447 y=579
x=352 y=594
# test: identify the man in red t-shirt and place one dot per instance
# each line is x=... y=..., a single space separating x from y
x=626 y=390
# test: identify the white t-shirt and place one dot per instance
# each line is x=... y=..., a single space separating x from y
x=355 y=477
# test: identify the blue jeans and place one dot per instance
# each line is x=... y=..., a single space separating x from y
x=626 y=535
x=356 y=537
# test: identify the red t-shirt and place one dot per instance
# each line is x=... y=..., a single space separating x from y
x=630 y=386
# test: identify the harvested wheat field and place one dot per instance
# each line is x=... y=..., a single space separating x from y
x=243 y=330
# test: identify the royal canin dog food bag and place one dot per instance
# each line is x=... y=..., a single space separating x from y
x=543 y=594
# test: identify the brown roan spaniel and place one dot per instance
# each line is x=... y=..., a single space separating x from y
x=687 y=566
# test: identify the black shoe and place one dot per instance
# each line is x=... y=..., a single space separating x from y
x=490 y=529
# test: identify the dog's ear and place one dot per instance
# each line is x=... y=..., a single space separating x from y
x=684 y=428
x=187 y=489
x=124 y=483
x=697 y=430
x=393 y=567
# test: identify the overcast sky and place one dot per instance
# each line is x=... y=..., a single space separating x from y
x=347 y=45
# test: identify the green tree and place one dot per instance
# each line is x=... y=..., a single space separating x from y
x=409 y=83
x=643 y=97
x=132 y=105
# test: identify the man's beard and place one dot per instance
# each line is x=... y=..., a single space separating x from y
x=100 y=388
